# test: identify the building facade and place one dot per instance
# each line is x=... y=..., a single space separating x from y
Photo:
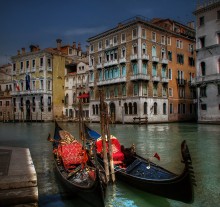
x=208 y=60
x=6 y=110
x=76 y=85
x=130 y=64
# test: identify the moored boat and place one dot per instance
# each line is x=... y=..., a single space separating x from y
x=146 y=175
x=77 y=168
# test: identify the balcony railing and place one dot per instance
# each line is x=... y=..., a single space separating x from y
x=165 y=80
x=155 y=78
x=155 y=59
x=181 y=82
x=122 y=60
x=99 y=66
x=140 y=77
x=110 y=63
x=145 y=57
x=207 y=78
x=16 y=93
x=91 y=84
x=164 y=61
x=111 y=81
x=91 y=67
x=133 y=57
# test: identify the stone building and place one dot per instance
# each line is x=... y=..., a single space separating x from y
x=6 y=111
x=130 y=64
x=208 y=60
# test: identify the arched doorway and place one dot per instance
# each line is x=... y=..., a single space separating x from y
x=112 y=112
x=28 y=110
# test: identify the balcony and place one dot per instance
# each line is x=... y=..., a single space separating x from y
x=91 y=67
x=164 y=61
x=207 y=78
x=49 y=68
x=18 y=93
x=155 y=78
x=192 y=82
x=165 y=80
x=145 y=57
x=181 y=82
x=91 y=84
x=111 y=81
x=110 y=63
x=99 y=66
x=122 y=60
x=133 y=57
x=140 y=77
x=155 y=59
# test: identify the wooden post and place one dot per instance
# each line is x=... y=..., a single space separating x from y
x=102 y=122
x=109 y=143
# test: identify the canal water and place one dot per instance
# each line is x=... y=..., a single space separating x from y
x=165 y=139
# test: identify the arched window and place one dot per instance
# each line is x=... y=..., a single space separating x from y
x=135 y=108
x=145 y=107
x=126 y=108
x=74 y=97
x=154 y=51
x=164 y=108
x=203 y=68
x=130 y=108
x=155 y=108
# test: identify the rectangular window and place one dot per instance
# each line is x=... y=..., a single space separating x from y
x=201 y=21
x=163 y=40
x=135 y=89
x=168 y=40
x=180 y=59
x=33 y=63
x=123 y=37
x=143 y=32
x=179 y=44
x=203 y=92
x=115 y=40
x=170 y=73
x=70 y=51
x=27 y=64
x=107 y=43
x=134 y=33
x=41 y=62
x=49 y=62
x=100 y=45
x=124 y=90
x=91 y=48
x=202 y=42
x=170 y=92
x=218 y=89
x=22 y=65
x=154 y=89
x=169 y=55
x=41 y=84
x=154 y=36
x=203 y=106
x=171 y=108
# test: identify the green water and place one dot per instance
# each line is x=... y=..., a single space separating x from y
x=165 y=139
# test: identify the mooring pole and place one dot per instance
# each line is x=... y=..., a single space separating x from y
x=109 y=143
x=102 y=122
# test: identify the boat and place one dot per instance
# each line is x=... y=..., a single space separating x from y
x=78 y=168
x=144 y=174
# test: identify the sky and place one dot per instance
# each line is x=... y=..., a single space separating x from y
x=41 y=22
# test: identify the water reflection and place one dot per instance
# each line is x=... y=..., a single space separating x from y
x=165 y=139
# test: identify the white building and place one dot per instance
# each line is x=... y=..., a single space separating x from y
x=208 y=60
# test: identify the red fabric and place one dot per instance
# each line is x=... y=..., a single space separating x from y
x=157 y=156
x=116 y=148
x=72 y=154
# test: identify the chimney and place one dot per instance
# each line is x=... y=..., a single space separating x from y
x=74 y=45
x=87 y=49
x=19 y=52
x=79 y=46
x=58 y=44
x=23 y=50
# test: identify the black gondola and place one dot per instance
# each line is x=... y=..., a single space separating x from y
x=86 y=177
x=148 y=176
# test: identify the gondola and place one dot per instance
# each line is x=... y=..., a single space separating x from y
x=146 y=175
x=78 y=168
